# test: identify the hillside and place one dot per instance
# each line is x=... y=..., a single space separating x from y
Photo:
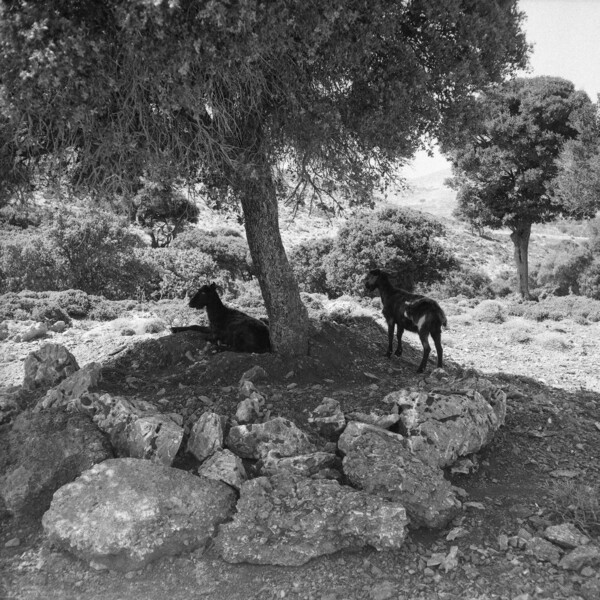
x=541 y=469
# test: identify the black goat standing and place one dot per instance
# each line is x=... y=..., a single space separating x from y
x=231 y=327
x=413 y=312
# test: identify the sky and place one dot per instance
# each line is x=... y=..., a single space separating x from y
x=566 y=39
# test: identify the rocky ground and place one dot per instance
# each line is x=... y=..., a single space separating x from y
x=547 y=451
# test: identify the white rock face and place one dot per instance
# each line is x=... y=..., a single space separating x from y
x=285 y=520
x=124 y=513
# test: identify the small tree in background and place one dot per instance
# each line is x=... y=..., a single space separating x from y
x=505 y=154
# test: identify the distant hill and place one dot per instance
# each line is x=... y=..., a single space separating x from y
x=428 y=194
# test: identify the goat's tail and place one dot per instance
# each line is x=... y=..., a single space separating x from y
x=443 y=319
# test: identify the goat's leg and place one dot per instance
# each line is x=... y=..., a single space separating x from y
x=437 y=340
x=399 y=348
x=424 y=335
x=391 y=324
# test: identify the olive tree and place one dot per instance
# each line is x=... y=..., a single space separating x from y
x=504 y=157
x=97 y=94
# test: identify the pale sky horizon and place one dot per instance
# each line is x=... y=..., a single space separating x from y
x=566 y=43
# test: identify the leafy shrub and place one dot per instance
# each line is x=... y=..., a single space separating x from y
x=465 y=281
x=30 y=262
x=590 y=280
x=307 y=261
x=75 y=302
x=557 y=308
x=182 y=271
x=489 y=311
x=397 y=240
x=225 y=246
x=97 y=253
x=518 y=332
x=54 y=306
x=562 y=269
x=551 y=340
x=50 y=312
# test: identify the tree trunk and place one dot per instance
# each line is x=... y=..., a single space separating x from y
x=520 y=238
x=288 y=318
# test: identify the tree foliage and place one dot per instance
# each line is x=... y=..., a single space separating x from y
x=578 y=181
x=505 y=158
x=96 y=95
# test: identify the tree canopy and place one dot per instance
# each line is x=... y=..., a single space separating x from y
x=505 y=159
x=578 y=181
x=96 y=95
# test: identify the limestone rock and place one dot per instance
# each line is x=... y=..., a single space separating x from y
x=543 y=550
x=72 y=388
x=284 y=520
x=124 y=513
x=279 y=434
x=305 y=465
x=224 y=466
x=328 y=419
x=385 y=421
x=134 y=427
x=42 y=452
x=48 y=366
x=455 y=424
x=39 y=330
x=582 y=556
x=566 y=535
x=250 y=410
x=384 y=464
x=206 y=436
x=256 y=373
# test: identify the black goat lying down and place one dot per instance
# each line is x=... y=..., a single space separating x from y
x=413 y=312
x=228 y=326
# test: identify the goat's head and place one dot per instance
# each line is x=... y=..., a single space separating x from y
x=372 y=279
x=204 y=296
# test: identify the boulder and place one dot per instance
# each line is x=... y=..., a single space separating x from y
x=256 y=440
x=224 y=466
x=206 y=436
x=35 y=332
x=124 y=513
x=285 y=520
x=250 y=410
x=566 y=535
x=457 y=421
x=582 y=556
x=328 y=419
x=385 y=464
x=134 y=427
x=256 y=373
x=72 y=388
x=48 y=366
x=42 y=452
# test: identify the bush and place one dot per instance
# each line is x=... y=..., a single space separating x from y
x=30 y=262
x=489 y=311
x=397 y=240
x=561 y=270
x=97 y=253
x=558 y=308
x=225 y=246
x=308 y=263
x=182 y=272
x=590 y=280
x=464 y=281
